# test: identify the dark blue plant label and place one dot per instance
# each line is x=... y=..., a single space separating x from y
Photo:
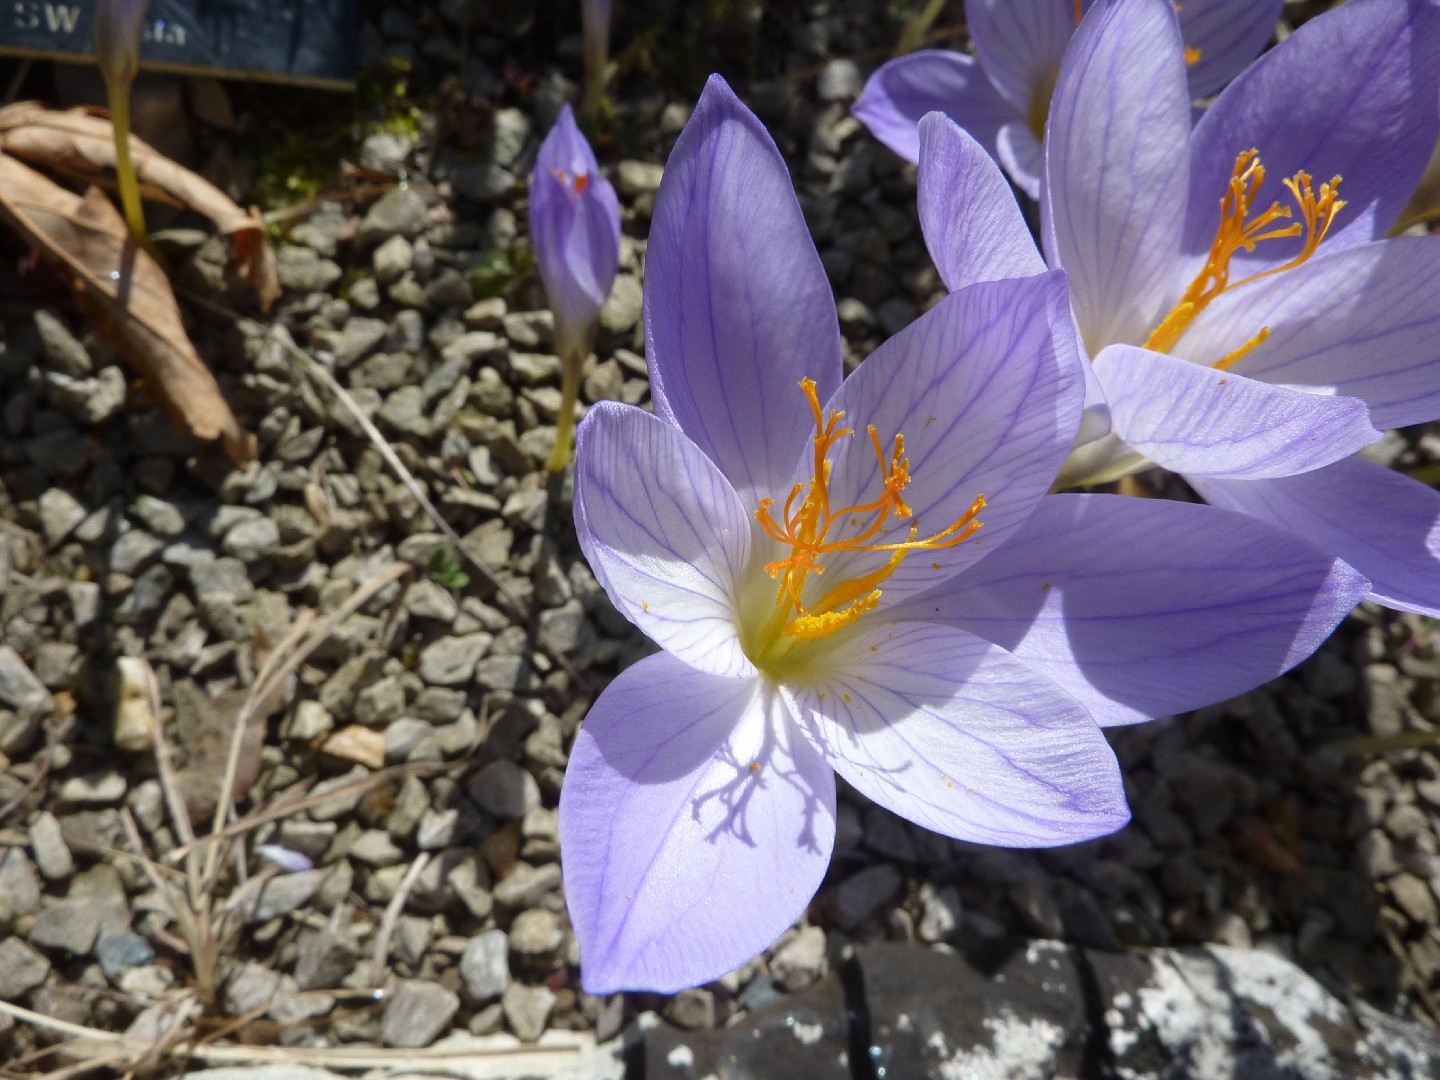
x=308 y=41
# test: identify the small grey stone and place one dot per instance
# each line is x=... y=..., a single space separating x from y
x=374 y=846
x=940 y=916
x=451 y=660
x=311 y=720
x=403 y=735
x=360 y=336
x=399 y=212
x=393 y=259
x=840 y=81
x=527 y=1008
x=56 y=663
x=52 y=854
x=226 y=578
x=504 y=790
x=485 y=967
x=69 y=925
x=527 y=885
x=302 y=270
x=530 y=329
x=483 y=182
x=1414 y=898
x=418 y=1011
x=863 y=894
x=63 y=351
x=404 y=410
x=512 y=128
x=637 y=177
x=105 y=786
x=1384 y=700
x=122 y=951
x=252 y=540
x=285 y=893
x=385 y=151
x=474 y=346
x=693 y=1009
x=60 y=513
x=159 y=515
x=22 y=968
x=535 y=933
x=621 y=310
x=19 y=688
x=19 y=881
x=84 y=601
x=801 y=960
x=134 y=550
x=251 y=988
x=426 y=599
x=534 y=369
x=501 y=672
x=380 y=702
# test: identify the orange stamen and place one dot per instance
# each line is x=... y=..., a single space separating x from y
x=1239 y=232
x=807 y=531
x=1192 y=56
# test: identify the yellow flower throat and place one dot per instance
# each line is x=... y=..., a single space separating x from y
x=809 y=526
x=1237 y=232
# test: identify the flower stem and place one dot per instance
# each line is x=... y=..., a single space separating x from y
x=129 y=185
x=565 y=422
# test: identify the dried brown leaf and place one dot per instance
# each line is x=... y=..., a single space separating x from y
x=205 y=727
x=81 y=143
x=126 y=294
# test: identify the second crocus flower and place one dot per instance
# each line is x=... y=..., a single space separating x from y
x=575 y=231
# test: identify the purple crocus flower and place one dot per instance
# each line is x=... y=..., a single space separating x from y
x=1250 y=328
x=1001 y=95
x=809 y=554
x=575 y=230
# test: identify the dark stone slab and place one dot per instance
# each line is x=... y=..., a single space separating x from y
x=801 y=1037
x=308 y=41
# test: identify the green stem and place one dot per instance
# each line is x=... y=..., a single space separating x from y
x=565 y=422
x=129 y=185
x=917 y=26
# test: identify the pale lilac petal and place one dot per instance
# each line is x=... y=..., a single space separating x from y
x=695 y=826
x=968 y=214
x=1352 y=92
x=1143 y=608
x=1194 y=419
x=903 y=90
x=1020 y=43
x=1362 y=321
x=1022 y=155
x=737 y=305
x=1383 y=523
x=957 y=735
x=1228 y=34
x=1115 y=160
x=986 y=387
x=664 y=532
x=575 y=232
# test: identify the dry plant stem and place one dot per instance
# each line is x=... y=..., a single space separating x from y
x=88 y=1041
x=391 y=916
x=574 y=365
x=917 y=26
x=118 y=91
x=310 y=367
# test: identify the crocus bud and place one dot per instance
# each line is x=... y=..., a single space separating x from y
x=575 y=230
x=118 y=24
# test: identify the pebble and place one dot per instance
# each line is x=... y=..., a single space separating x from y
x=60 y=513
x=52 y=854
x=527 y=1008
x=863 y=894
x=22 y=968
x=801 y=960
x=285 y=893
x=840 y=80
x=693 y=1009
x=634 y=178
x=527 y=885
x=417 y=1012
x=64 y=352
x=451 y=660
x=503 y=789
x=119 y=952
x=94 y=788
x=940 y=915
x=485 y=967
x=399 y=212
x=19 y=688
x=250 y=541
x=1414 y=898
x=67 y=925
x=535 y=933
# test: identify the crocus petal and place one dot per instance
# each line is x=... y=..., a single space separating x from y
x=1384 y=524
x=958 y=736
x=903 y=90
x=737 y=305
x=968 y=215
x=1020 y=44
x=986 y=388
x=575 y=232
x=1227 y=34
x=1351 y=93
x=1144 y=608
x=1195 y=419
x=664 y=532
x=1115 y=159
x=694 y=825
x=1022 y=155
x=1362 y=321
